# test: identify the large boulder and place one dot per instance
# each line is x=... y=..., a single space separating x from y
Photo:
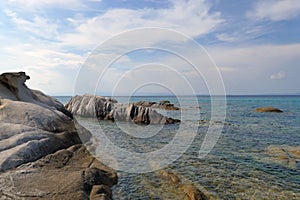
x=90 y=106
x=109 y=109
x=32 y=124
x=29 y=131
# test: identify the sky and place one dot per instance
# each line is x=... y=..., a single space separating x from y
x=254 y=44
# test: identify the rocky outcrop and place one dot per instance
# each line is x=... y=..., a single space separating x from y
x=165 y=105
x=109 y=109
x=32 y=124
x=268 y=109
x=37 y=138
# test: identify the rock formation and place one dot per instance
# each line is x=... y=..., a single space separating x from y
x=37 y=138
x=165 y=105
x=109 y=109
x=268 y=109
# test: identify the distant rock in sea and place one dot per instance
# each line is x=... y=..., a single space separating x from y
x=41 y=151
x=165 y=105
x=268 y=109
x=108 y=109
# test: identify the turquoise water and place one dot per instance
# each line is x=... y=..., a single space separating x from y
x=236 y=168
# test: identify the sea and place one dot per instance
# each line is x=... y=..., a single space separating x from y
x=237 y=167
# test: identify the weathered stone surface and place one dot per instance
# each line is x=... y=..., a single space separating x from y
x=34 y=128
x=41 y=155
x=165 y=105
x=90 y=106
x=268 y=109
x=67 y=174
x=140 y=115
x=109 y=109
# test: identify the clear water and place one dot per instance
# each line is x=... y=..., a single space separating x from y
x=234 y=168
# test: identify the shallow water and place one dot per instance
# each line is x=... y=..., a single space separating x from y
x=235 y=168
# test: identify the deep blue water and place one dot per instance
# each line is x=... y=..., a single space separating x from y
x=237 y=167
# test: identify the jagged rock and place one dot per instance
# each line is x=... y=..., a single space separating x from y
x=66 y=174
x=165 y=105
x=90 y=106
x=109 y=109
x=140 y=115
x=268 y=109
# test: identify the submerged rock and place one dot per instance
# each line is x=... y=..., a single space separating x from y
x=288 y=156
x=109 y=109
x=189 y=190
x=268 y=109
x=173 y=178
x=192 y=193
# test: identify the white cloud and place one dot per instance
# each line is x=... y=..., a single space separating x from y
x=247 y=32
x=275 y=10
x=32 y=4
x=280 y=75
x=226 y=37
x=51 y=69
x=38 y=25
x=189 y=17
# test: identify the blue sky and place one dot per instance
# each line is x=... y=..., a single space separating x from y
x=255 y=43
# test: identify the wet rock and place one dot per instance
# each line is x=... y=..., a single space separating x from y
x=268 y=109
